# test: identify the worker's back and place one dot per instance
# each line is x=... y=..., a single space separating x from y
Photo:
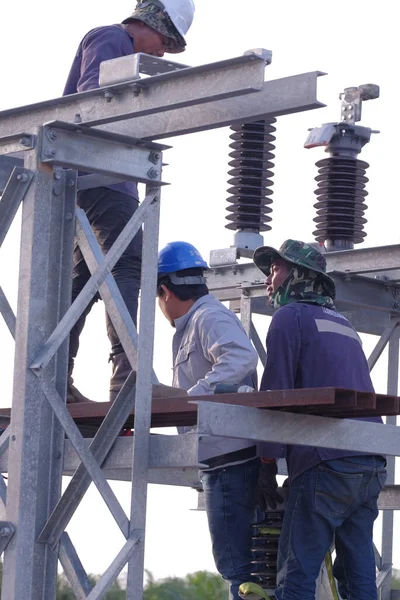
x=311 y=346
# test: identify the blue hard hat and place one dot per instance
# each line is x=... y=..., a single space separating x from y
x=177 y=256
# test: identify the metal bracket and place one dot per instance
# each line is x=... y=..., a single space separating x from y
x=7 y=530
x=90 y=150
x=127 y=68
x=17 y=143
x=352 y=99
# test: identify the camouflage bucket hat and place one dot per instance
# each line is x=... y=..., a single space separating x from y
x=154 y=16
x=294 y=252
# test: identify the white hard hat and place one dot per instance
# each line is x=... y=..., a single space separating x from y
x=181 y=13
x=172 y=18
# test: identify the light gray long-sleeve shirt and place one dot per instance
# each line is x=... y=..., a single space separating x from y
x=210 y=346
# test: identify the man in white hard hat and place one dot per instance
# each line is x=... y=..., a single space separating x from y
x=154 y=27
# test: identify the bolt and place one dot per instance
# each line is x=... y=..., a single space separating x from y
x=5 y=531
x=77 y=118
x=70 y=183
x=57 y=175
x=57 y=454
x=52 y=134
x=25 y=141
x=13 y=438
x=154 y=157
x=50 y=152
x=152 y=173
x=108 y=95
x=68 y=216
x=136 y=90
x=22 y=177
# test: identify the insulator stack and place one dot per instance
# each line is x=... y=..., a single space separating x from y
x=340 y=206
x=265 y=549
x=251 y=176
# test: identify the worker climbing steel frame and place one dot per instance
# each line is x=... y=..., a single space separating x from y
x=110 y=133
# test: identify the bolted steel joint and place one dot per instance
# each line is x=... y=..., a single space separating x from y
x=154 y=157
x=22 y=177
x=152 y=173
x=26 y=141
x=50 y=152
x=51 y=134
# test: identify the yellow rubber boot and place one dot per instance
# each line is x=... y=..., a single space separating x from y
x=252 y=591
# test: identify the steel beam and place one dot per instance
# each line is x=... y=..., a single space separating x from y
x=176 y=90
x=141 y=444
x=36 y=439
x=278 y=97
x=289 y=428
x=388 y=517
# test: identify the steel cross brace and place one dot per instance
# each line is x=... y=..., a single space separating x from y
x=90 y=289
x=109 y=290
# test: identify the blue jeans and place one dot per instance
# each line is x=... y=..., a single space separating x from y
x=108 y=211
x=333 y=501
x=230 y=498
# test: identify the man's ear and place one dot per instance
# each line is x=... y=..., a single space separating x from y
x=165 y=289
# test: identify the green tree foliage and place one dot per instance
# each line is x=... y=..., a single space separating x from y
x=196 y=586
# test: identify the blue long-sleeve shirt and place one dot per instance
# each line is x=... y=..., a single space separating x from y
x=100 y=44
x=310 y=346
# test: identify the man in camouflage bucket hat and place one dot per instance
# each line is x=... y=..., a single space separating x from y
x=307 y=280
x=153 y=28
x=332 y=493
x=154 y=15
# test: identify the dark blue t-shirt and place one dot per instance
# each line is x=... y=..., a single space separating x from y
x=310 y=346
x=100 y=44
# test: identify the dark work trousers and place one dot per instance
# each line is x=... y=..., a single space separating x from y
x=108 y=211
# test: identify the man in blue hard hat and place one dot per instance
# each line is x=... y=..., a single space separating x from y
x=210 y=347
x=155 y=27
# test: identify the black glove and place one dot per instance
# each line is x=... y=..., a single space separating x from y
x=266 y=494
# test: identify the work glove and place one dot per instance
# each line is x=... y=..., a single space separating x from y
x=266 y=494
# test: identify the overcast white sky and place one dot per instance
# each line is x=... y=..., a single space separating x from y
x=353 y=44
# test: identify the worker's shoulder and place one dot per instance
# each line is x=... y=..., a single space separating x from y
x=212 y=309
x=106 y=31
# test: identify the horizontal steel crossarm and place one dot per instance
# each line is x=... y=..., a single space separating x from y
x=86 y=456
x=365 y=260
x=86 y=149
x=116 y=566
x=289 y=428
x=195 y=85
x=277 y=97
x=166 y=451
x=91 y=287
x=99 y=448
